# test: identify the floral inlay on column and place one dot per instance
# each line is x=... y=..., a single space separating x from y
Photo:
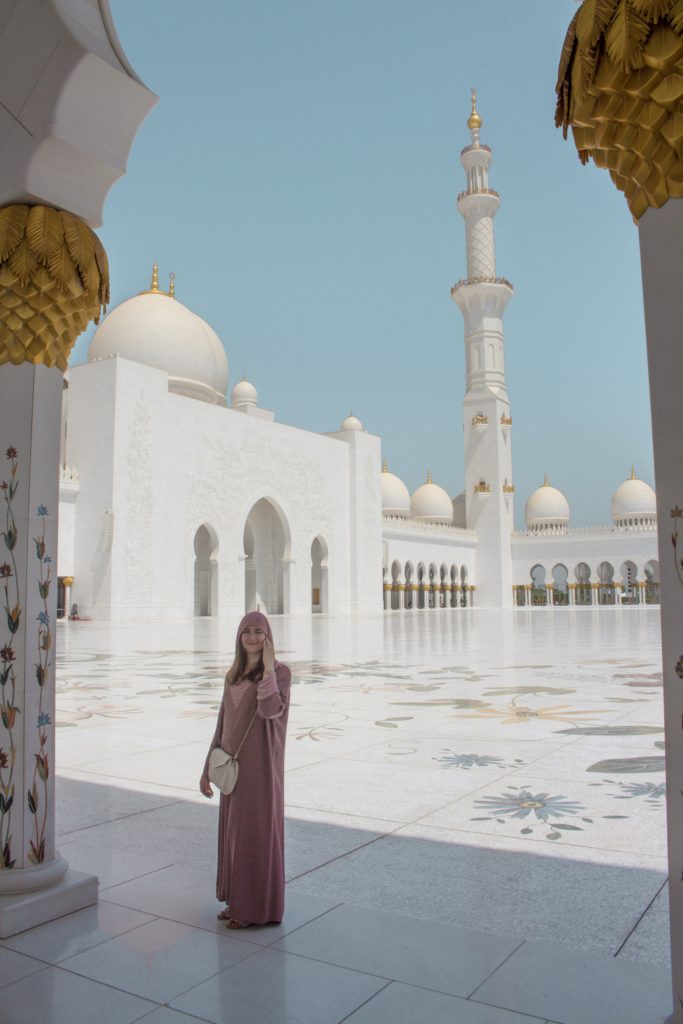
x=41 y=769
x=12 y=617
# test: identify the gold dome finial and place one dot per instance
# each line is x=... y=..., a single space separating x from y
x=385 y=466
x=546 y=482
x=633 y=472
x=155 y=277
x=474 y=120
x=171 y=285
x=429 y=476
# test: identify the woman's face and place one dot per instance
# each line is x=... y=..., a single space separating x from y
x=252 y=639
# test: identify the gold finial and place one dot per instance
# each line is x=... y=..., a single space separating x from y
x=474 y=120
x=546 y=482
x=429 y=476
x=171 y=285
x=385 y=466
x=633 y=472
x=155 y=277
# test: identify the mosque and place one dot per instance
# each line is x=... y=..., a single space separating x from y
x=174 y=504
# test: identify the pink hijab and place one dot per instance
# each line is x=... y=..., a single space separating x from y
x=253 y=619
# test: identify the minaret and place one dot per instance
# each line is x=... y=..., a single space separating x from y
x=482 y=298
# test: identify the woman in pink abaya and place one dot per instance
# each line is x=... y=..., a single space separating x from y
x=251 y=842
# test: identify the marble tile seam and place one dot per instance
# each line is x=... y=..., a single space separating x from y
x=118 y=817
x=223 y=970
x=166 y=1006
x=364 y=1003
x=641 y=916
x=326 y=810
x=340 y=856
x=491 y=973
x=32 y=974
x=133 y=878
x=94 y=981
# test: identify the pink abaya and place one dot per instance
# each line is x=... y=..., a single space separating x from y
x=251 y=846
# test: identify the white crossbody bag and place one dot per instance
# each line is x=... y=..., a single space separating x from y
x=224 y=767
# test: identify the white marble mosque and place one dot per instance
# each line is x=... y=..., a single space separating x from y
x=262 y=514
x=476 y=787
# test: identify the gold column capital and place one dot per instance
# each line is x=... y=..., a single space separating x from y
x=619 y=88
x=54 y=279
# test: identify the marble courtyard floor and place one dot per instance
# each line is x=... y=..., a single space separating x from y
x=475 y=826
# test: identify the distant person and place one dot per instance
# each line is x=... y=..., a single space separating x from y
x=251 y=844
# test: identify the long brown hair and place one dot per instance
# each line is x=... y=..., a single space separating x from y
x=238 y=667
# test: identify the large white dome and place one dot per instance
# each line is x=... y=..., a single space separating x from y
x=546 y=509
x=155 y=329
x=395 y=494
x=431 y=503
x=634 y=503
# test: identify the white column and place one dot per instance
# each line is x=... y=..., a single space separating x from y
x=35 y=885
x=661 y=245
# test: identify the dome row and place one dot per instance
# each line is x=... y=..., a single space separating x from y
x=633 y=504
x=429 y=503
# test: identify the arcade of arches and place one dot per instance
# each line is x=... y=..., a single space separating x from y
x=601 y=585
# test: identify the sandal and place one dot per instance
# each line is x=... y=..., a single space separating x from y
x=223 y=915
x=232 y=923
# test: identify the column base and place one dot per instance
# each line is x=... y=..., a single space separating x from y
x=23 y=910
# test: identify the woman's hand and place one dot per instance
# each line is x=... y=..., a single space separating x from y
x=268 y=657
x=205 y=787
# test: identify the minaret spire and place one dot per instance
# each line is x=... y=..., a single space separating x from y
x=474 y=121
x=482 y=297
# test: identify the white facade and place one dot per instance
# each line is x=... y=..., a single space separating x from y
x=174 y=505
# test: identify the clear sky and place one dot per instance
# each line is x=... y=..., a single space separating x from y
x=299 y=176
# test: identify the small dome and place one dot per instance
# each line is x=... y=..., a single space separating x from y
x=634 y=501
x=395 y=494
x=460 y=511
x=243 y=394
x=352 y=423
x=431 y=504
x=155 y=329
x=547 y=507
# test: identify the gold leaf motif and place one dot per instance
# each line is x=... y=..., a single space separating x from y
x=23 y=262
x=46 y=300
x=651 y=9
x=626 y=36
x=562 y=111
x=675 y=16
x=592 y=19
x=79 y=239
x=63 y=271
x=44 y=231
x=12 y=224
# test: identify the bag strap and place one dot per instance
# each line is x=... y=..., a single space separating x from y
x=237 y=752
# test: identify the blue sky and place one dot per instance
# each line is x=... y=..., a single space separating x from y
x=299 y=176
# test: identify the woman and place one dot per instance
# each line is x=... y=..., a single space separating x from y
x=251 y=845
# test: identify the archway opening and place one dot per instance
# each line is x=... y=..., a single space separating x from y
x=421 y=585
x=395 y=585
x=539 y=591
x=408 y=592
x=265 y=579
x=651 y=571
x=584 y=591
x=606 y=591
x=630 y=592
x=319 y=576
x=205 y=572
x=560 y=585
